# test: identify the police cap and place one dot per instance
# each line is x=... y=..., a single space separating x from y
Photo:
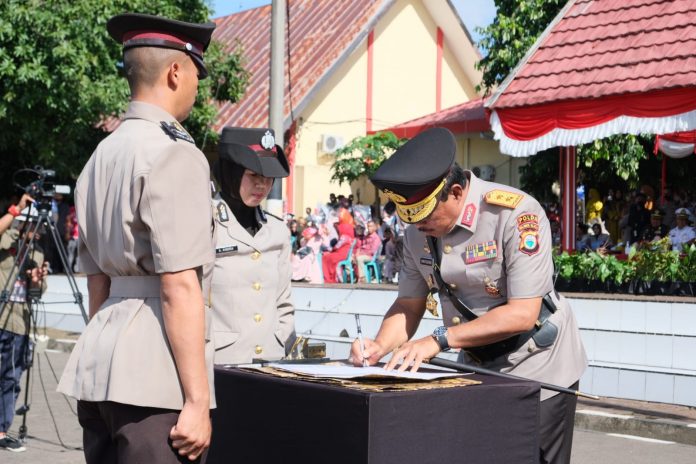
x=255 y=149
x=683 y=213
x=142 y=30
x=416 y=173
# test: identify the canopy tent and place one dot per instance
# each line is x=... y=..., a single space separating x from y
x=599 y=69
x=675 y=145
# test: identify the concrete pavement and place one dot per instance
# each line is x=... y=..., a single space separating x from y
x=54 y=435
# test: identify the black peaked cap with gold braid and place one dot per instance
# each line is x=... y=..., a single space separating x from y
x=416 y=173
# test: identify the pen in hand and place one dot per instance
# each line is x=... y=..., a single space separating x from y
x=360 y=339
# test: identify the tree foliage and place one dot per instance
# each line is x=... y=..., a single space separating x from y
x=517 y=25
x=514 y=30
x=59 y=79
x=362 y=156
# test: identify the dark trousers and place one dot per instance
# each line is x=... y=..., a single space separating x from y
x=557 y=418
x=115 y=433
x=14 y=352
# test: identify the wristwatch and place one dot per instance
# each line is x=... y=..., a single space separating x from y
x=440 y=336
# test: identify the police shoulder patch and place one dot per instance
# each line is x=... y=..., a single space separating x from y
x=503 y=198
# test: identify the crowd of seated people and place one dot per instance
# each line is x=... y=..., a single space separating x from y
x=338 y=237
x=615 y=222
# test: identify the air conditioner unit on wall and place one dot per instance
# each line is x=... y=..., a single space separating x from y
x=484 y=172
x=331 y=142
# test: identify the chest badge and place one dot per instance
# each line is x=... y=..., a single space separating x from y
x=491 y=287
x=222 y=214
x=480 y=252
x=430 y=301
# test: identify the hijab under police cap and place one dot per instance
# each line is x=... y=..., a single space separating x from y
x=142 y=30
x=415 y=174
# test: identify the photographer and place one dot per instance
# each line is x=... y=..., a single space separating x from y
x=14 y=313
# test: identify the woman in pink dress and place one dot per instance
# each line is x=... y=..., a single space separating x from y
x=305 y=263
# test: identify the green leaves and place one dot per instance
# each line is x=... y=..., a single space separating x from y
x=363 y=156
x=58 y=79
x=515 y=28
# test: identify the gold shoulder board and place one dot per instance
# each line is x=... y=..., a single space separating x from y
x=503 y=198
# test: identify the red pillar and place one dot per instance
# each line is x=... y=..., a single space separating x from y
x=370 y=64
x=568 y=196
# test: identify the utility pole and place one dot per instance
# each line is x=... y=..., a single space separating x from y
x=274 y=203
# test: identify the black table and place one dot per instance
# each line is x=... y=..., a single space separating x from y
x=265 y=419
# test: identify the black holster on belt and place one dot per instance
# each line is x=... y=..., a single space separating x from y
x=544 y=331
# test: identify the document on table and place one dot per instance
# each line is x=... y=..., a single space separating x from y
x=332 y=371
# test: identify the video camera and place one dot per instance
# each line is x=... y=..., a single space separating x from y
x=39 y=184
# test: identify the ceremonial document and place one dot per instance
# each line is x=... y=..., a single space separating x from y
x=333 y=371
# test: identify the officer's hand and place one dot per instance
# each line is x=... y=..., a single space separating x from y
x=24 y=201
x=373 y=352
x=191 y=434
x=413 y=354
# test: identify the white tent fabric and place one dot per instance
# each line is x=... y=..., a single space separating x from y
x=675 y=149
x=573 y=137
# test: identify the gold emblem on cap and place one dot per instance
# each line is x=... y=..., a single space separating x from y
x=395 y=197
x=447 y=249
x=415 y=212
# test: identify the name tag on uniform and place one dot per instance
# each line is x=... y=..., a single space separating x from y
x=426 y=261
x=226 y=250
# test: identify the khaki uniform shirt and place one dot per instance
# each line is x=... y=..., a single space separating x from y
x=15 y=316
x=143 y=208
x=500 y=248
x=253 y=314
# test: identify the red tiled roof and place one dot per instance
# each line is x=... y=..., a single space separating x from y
x=321 y=32
x=461 y=119
x=609 y=47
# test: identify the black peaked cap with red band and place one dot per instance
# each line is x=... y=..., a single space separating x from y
x=142 y=30
x=254 y=149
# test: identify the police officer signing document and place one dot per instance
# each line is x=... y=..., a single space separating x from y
x=486 y=248
x=253 y=314
x=142 y=369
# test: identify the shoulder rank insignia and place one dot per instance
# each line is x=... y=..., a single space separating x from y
x=176 y=131
x=222 y=214
x=503 y=198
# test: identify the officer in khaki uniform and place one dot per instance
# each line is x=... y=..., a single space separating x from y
x=142 y=369
x=253 y=314
x=486 y=249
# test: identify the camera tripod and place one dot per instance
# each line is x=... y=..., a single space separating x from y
x=20 y=266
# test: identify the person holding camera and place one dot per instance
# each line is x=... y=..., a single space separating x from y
x=253 y=314
x=15 y=350
x=142 y=370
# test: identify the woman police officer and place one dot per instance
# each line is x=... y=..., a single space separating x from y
x=253 y=314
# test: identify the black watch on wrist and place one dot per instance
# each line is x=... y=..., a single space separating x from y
x=440 y=336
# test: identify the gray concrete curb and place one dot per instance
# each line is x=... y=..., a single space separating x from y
x=628 y=423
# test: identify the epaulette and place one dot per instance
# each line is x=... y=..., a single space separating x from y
x=503 y=198
x=176 y=131
x=273 y=215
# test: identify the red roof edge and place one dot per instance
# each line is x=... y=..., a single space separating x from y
x=464 y=118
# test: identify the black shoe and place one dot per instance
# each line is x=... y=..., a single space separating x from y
x=11 y=444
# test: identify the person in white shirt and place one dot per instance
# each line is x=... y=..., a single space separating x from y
x=682 y=235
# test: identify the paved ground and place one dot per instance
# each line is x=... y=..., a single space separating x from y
x=58 y=443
